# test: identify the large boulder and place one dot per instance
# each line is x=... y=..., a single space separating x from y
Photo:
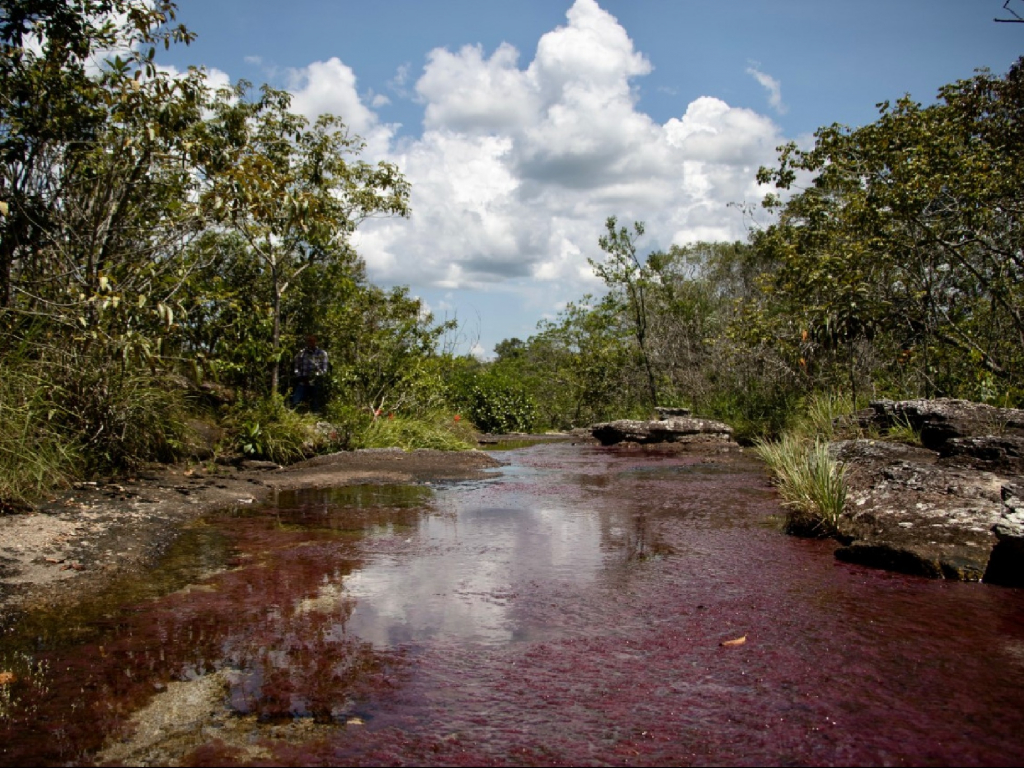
x=906 y=512
x=996 y=453
x=949 y=509
x=944 y=419
x=1006 y=565
x=671 y=430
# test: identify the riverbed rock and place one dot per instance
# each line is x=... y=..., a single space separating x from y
x=671 y=430
x=906 y=512
x=943 y=419
x=996 y=453
x=950 y=508
x=1006 y=564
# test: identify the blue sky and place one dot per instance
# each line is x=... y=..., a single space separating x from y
x=522 y=126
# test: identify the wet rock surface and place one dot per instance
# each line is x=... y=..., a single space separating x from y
x=78 y=541
x=950 y=509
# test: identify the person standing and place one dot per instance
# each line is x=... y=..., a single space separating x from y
x=308 y=369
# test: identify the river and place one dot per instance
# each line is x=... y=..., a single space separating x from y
x=585 y=606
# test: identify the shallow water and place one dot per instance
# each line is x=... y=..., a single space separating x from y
x=571 y=610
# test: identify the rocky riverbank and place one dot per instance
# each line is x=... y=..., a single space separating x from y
x=950 y=508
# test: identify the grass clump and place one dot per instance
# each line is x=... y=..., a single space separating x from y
x=433 y=430
x=35 y=457
x=903 y=432
x=811 y=482
x=268 y=429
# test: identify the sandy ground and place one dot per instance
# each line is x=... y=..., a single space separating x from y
x=75 y=543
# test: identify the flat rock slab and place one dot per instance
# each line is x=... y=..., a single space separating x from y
x=910 y=511
x=943 y=419
x=672 y=430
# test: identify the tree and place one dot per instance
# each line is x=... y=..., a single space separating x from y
x=910 y=234
x=62 y=127
x=290 y=188
x=623 y=272
x=384 y=346
x=95 y=219
x=691 y=296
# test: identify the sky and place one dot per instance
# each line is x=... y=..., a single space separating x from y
x=522 y=126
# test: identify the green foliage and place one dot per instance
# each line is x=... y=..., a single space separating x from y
x=623 y=273
x=907 y=240
x=438 y=430
x=35 y=456
x=903 y=432
x=821 y=411
x=267 y=429
x=124 y=419
x=383 y=351
x=811 y=482
x=154 y=233
x=495 y=402
x=293 y=191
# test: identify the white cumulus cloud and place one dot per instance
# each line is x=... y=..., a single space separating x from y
x=520 y=163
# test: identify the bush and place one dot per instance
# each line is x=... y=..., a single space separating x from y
x=496 y=403
x=121 y=418
x=35 y=456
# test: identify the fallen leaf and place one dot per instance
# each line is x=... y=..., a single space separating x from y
x=6 y=678
x=735 y=642
x=54 y=561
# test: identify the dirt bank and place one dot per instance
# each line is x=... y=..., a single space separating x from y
x=77 y=542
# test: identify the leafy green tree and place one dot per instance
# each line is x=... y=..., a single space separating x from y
x=508 y=350
x=626 y=276
x=95 y=186
x=291 y=189
x=94 y=162
x=908 y=238
x=384 y=347
x=691 y=295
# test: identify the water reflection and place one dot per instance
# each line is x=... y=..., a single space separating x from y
x=468 y=574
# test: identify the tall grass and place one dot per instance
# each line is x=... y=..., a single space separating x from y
x=821 y=411
x=35 y=457
x=811 y=482
x=122 y=417
x=433 y=430
x=902 y=431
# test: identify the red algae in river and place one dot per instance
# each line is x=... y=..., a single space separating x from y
x=572 y=610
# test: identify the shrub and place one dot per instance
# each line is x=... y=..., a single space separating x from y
x=35 y=456
x=498 y=404
x=267 y=429
x=121 y=418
